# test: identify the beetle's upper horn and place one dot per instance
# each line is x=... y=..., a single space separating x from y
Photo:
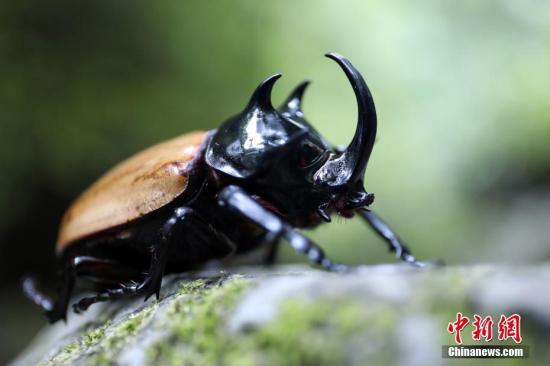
x=293 y=104
x=261 y=98
x=358 y=151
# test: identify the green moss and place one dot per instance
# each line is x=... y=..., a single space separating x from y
x=196 y=321
x=94 y=336
x=65 y=354
x=193 y=287
x=76 y=348
x=191 y=327
x=101 y=344
x=119 y=335
x=328 y=332
x=325 y=331
x=200 y=302
x=130 y=325
x=304 y=333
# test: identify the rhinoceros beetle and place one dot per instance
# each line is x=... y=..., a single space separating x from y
x=209 y=195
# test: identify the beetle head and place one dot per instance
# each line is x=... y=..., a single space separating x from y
x=280 y=149
x=342 y=173
x=340 y=176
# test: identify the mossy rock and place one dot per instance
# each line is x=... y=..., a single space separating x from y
x=381 y=315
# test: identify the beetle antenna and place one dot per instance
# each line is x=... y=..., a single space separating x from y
x=261 y=98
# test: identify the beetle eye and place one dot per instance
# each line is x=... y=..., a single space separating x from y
x=309 y=155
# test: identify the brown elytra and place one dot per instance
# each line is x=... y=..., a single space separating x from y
x=135 y=187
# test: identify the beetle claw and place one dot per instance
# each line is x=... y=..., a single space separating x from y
x=323 y=214
x=151 y=288
x=149 y=294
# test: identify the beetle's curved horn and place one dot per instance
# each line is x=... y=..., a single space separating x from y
x=360 y=148
x=261 y=98
x=293 y=104
x=349 y=167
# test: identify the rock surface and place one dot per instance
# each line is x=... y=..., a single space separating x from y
x=294 y=315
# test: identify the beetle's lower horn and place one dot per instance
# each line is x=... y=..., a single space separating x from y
x=358 y=152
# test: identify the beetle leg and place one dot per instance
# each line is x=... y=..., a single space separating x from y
x=152 y=283
x=159 y=256
x=395 y=243
x=55 y=309
x=272 y=248
x=238 y=201
x=35 y=295
x=271 y=241
x=103 y=271
x=84 y=303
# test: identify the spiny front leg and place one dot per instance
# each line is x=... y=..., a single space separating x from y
x=394 y=242
x=236 y=200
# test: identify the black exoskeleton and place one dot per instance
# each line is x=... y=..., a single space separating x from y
x=261 y=175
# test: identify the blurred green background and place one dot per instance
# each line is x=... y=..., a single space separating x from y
x=461 y=168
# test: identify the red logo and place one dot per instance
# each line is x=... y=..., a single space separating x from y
x=457 y=326
x=483 y=328
x=508 y=327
